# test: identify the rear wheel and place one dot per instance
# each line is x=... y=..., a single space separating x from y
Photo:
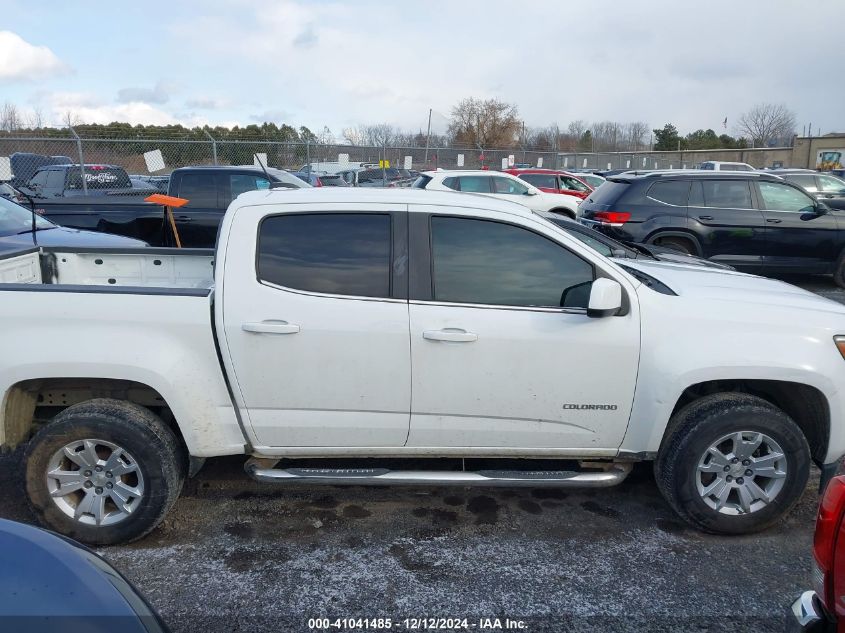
x=680 y=244
x=104 y=471
x=732 y=464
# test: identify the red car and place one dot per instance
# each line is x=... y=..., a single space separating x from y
x=822 y=609
x=553 y=181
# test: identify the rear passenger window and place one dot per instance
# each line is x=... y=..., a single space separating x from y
x=674 y=192
x=548 y=181
x=199 y=189
x=332 y=253
x=726 y=194
x=474 y=184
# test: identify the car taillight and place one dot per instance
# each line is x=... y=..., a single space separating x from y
x=612 y=217
x=829 y=577
x=318 y=182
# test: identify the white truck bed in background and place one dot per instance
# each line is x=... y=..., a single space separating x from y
x=139 y=268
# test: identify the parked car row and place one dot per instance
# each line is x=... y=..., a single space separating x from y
x=755 y=221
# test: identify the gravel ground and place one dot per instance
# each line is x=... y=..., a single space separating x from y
x=235 y=555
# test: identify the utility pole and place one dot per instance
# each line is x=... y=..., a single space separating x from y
x=427 y=139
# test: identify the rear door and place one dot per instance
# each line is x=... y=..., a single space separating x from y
x=198 y=220
x=316 y=324
x=797 y=238
x=731 y=229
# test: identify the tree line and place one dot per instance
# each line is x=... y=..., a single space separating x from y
x=474 y=124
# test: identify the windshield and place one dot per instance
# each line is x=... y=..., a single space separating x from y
x=15 y=219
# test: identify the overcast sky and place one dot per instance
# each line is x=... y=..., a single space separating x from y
x=345 y=63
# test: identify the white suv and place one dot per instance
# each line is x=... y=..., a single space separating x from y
x=497 y=184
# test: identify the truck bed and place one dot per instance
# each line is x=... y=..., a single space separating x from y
x=111 y=267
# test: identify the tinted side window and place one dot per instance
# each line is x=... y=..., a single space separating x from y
x=727 y=194
x=784 y=198
x=422 y=182
x=199 y=189
x=675 y=192
x=540 y=180
x=474 y=184
x=333 y=253
x=56 y=179
x=480 y=261
x=452 y=183
x=609 y=192
x=40 y=178
x=241 y=183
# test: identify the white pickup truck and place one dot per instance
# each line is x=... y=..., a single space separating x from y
x=349 y=333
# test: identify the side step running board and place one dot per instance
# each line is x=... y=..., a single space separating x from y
x=615 y=473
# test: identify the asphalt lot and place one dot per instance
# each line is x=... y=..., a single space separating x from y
x=235 y=555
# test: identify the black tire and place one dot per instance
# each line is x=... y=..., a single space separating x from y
x=839 y=271
x=569 y=214
x=680 y=244
x=695 y=427
x=156 y=450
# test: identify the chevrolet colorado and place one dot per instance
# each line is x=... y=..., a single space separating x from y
x=356 y=336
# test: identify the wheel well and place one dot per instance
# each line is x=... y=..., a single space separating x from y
x=32 y=403
x=696 y=247
x=806 y=405
x=564 y=211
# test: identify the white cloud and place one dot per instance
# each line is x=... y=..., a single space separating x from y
x=87 y=108
x=20 y=60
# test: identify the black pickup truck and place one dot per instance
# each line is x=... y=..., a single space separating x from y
x=209 y=190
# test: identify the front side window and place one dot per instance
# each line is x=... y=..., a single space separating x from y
x=486 y=262
x=331 y=253
x=508 y=186
x=778 y=197
x=546 y=181
x=725 y=194
x=831 y=184
x=241 y=183
x=573 y=184
x=674 y=192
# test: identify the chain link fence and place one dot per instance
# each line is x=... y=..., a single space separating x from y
x=149 y=157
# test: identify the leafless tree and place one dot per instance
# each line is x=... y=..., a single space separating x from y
x=353 y=135
x=767 y=123
x=634 y=136
x=10 y=117
x=71 y=118
x=326 y=137
x=380 y=134
x=35 y=119
x=488 y=123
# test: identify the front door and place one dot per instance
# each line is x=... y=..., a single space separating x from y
x=504 y=355
x=797 y=237
x=731 y=229
x=316 y=326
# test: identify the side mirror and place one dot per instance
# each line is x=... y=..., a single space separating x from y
x=605 y=298
x=530 y=193
x=821 y=208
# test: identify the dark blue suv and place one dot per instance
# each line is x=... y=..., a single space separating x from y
x=753 y=221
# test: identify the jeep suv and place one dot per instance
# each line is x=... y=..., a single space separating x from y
x=753 y=221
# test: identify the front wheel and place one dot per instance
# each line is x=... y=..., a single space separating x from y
x=104 y=471
x=732 y=464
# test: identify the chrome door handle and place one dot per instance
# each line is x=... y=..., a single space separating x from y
x=184 y=218
x=452 y=335
x=705 y=217
x=774 y=221
x=271 y=327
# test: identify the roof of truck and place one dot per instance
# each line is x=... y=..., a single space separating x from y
x=365 y=195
